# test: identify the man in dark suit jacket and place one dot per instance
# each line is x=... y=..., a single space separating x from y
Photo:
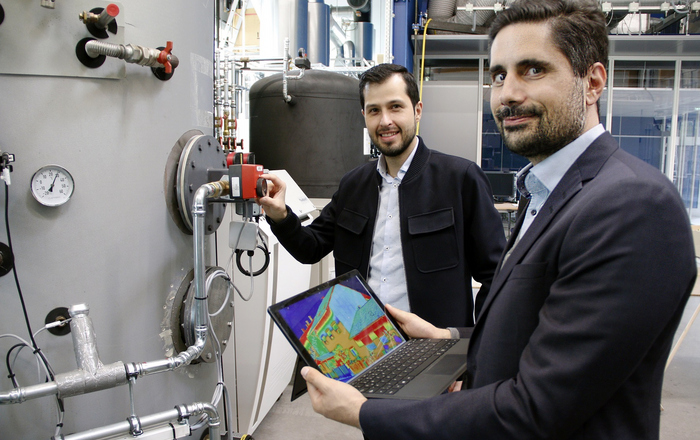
x=572 y=339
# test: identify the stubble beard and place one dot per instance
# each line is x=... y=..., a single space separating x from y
x=555 y=127
x=389 y=151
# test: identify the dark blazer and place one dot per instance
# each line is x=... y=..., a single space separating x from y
x=450 y=232
x=572 y=340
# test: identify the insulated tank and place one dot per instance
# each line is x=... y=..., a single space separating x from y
x=317 y=137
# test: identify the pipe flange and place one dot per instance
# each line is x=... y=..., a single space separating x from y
x=58 y=314
x=194 y=160
x=87 y=60
x=183 y=312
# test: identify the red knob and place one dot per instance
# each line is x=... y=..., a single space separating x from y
x=163 y=57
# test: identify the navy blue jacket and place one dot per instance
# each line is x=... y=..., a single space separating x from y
x=450 y=232
x=572 y=340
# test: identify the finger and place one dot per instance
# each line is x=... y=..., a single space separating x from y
x=309 y=375
x=276 y=181
x=400 y=315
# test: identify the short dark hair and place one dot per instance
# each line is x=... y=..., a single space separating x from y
x=578 y=28
x=381 y=72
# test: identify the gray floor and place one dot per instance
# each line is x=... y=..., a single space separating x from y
x=680 y=418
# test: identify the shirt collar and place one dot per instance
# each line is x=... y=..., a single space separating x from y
x=551 y=170
x=381 y=165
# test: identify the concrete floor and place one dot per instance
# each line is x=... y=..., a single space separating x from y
x=680 y=418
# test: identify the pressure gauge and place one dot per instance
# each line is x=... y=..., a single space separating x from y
x=52 y=185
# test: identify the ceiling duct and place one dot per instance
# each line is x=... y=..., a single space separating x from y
x=455 y=12
x=474 y=16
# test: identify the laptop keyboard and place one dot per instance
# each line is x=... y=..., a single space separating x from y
x=403 y=364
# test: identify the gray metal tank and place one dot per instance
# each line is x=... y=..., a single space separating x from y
x=317 y=137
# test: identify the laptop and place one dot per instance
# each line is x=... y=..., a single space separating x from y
x=342 y=329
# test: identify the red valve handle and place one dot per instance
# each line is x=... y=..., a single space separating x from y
x=163 y=57
x=112 y=10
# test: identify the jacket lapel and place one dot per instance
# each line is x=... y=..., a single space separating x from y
x=583 y=170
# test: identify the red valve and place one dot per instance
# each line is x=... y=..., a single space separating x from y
x=112 y=10
x=163 y=57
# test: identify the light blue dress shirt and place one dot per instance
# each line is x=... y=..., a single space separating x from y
x=541 y=179
x=387 y=273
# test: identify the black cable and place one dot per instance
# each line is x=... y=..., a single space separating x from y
x=45 y=361
x=11 y=374
x=14 y=269
x=239 y=254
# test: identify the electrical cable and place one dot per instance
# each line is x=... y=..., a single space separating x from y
x=220 y=389
x=229 y=266
x=14 y=269
x=266 y=253
x=37 y=351
x=11 y=374
x=422 y=69
x=251 y=272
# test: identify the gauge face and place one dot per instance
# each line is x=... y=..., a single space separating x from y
x=52 y=185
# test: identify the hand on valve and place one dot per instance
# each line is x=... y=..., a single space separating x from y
x=273 y=203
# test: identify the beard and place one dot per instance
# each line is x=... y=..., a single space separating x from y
x=396 y=149
x=556 y=126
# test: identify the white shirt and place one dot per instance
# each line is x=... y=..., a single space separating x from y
x=387 y=273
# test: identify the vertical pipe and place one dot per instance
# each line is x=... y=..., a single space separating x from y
x=84 y=341
x=319 y=32
x=218 y=129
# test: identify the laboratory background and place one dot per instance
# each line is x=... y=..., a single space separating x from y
x=135 y=266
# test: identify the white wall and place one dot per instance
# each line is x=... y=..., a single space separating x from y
x=450 y=117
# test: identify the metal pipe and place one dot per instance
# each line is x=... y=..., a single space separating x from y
x=84 y=341
x=179 y=413
x=286 y=96
x=199 y=204
x=218 y=101
x=91 y=374
x=78 y=382
x=95 y=376
x=141 y=55
x=21 y=394
x=70 y=384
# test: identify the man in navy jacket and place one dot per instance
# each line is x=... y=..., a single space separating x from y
x=572 y=340
x=418 y=224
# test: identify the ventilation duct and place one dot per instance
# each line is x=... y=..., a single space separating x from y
x=456 y=11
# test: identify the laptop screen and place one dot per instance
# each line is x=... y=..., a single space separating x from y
x=341 y=326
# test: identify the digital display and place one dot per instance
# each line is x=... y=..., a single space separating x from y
x=343 y=329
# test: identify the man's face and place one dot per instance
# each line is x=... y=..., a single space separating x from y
x=390 y=117
x=537 y=101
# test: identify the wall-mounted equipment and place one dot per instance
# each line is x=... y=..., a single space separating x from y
x=52 y=185
x=93 y=53
x=100 y=20
x=194 y=160
x=60 y=318
x=7 y=260
x=197 y=159
x=6 y=160
x=181 y=322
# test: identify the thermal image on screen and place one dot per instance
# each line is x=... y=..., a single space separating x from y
x=343 y=329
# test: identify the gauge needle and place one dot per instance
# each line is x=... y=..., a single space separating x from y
x=52 y=183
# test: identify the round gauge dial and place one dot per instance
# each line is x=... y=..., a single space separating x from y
x=52 y=185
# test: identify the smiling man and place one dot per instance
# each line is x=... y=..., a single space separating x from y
x=418 y=224
x=573 y=337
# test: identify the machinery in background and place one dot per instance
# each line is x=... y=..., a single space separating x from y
x=198 y=331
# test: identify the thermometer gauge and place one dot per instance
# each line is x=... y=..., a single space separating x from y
x=52 y=185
